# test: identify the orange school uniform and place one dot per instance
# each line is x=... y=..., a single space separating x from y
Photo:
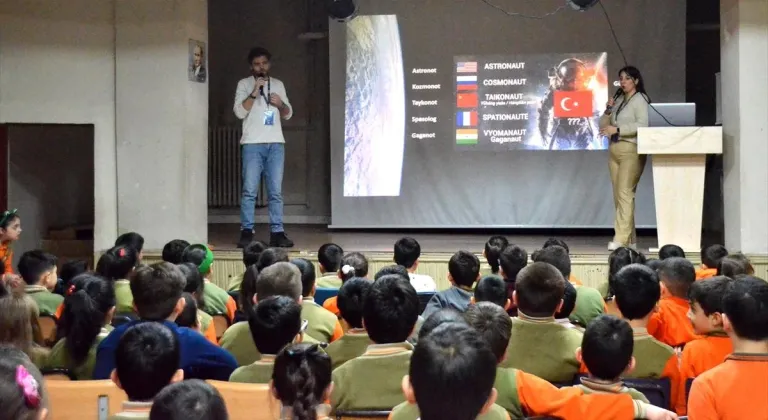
x=737 y=389
x=670 y=324
x=332 y=305
x=704 y=353
x=705 y=273
x=6 y=256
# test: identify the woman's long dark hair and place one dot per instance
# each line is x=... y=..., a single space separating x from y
x=89 y=299
x=634 y=73
x=620 y=258
x=301 y=375
x=493 y=249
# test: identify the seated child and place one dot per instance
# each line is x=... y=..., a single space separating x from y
x=69 y=270
x=569 y=303
x=619 y=258
x=251 y=255
x=539 y=345
x=491 y=289
x=737 y=388
x=606 y=350
x=275 y=322
x=443 y=316
x=353 y=265
x=189 y=400
x=710 y=259
x=271 y=256
x=217 y=300
x=390 y=311
x=355 y=340
x=512 y=259
x=323 y=325
x=392 y=269
x=38 y=269
x=85 y=322
x=117 y=264
x=19 y=326
x=670 y=324
x=492 y=252
x=735 y=265
x=132 y=240
x=561 y=243
x=653 y=263
x=463 y=272
x=188 y=317
x=301 y=381
x=195 y=287
x=146 y=360
x=407 y=253
x=706 y=315
x=671 y=251
x=22 y=390
x=329 y=259
x=173 y=251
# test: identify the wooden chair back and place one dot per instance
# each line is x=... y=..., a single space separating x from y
x=77 y=400
x=248 y=401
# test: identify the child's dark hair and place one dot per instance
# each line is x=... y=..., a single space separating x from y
x=281 y=279
x=491 y=289
x=188 y=316
x=192 y=399
x=252 y=252
x=33 y=264
x=15 y=405
x=711 y=255
x=274 y=322
x=556 y=256
x=653 y=263
x=390 y=310
x=746 y=306
x=71 y=269
x=513 y=258
x=636 y=290
x=353 y=264
x=329 y=256
x=197 y=254
x=442 y=316
x=195 y=284
x=117 y=263
x=539 y=288
x=493 y=324
x=556 y=242
x=392 y=269
x=248 y=288
x=708 y=293
x=89 y=300
x=301 y=375
x=733 y=265
x=156 y=290
x=271 y=256
x=131 y=239
x=607 y=347
x=8 y=217
x=671 y=251
x=464 y=268
x=569 y=301
x=307 y=270
x=454 y=360
x=677 y=274
x=407 y=252
x=173 y=251
x=146 y=359
x=620 y=258
x=350 y=301
x=493 y=248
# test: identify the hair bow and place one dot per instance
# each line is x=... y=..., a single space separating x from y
x=71 y=290
x=29 y=387
x=7 y=215
x=348 y=269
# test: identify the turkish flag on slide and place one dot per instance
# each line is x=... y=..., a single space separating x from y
x=573 y=103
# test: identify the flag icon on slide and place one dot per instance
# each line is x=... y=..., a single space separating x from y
x=466 y=67
x=466 y=136
x=466 y=119
x=573 y=104
x=466 y=83
x=466 y=100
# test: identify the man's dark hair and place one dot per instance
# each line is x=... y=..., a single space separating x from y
x=492 y=251
x=146 y=358
x=513 y=258
x=407 y=252
x=708 y=293
x=390 y=310
x=350 y=301
x=173 y=251
x=131 y=239
x=557 y=256
x=307 y=270
x=493 y=323
x=454 y=360
x=192 y=399
x=540 y=288
x=34 y=264
x=280 y=279
x=636 y=290
x=711 y=255
x=733 y=265
x=274 y=322
x=446 y=315
x=392 y=269
x=491 y=289
x=607 y=347
x=464 y=268
x=271 y=256
x=746 y=305
x=257 y=52
x=677 y=274
x=329 y=256
x=156 y=290
x=556 y=242
x=569 y=301
x=671 y=251
x=252 y=252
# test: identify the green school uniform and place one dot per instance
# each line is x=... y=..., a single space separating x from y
x=322 y=323
x=47 y=302
x=123 y=297
x=215 y=299
x=235 y=283
x=133 y=410
x=258 y=372
x=329 y=281
x=651 y=355
x=353 y=387
x=205 y=321
x=541 y=347
x=408 y=411
x=238 y=341
x=351 y=345
x=595 y=386
x=589 y=305
x=506 y=387
x=59 y=357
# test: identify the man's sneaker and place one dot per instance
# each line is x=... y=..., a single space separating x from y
x=279 y=240
x=246 y=236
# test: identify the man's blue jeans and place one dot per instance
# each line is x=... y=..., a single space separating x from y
x=266 y=158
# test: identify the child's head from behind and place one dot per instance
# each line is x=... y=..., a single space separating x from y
x=329 y=256
x=453 y=360
x=118 y=262
x=463 y=269
x=492 y=251
x=513 y=258
x=606 y=348
x=252 y=252
x=493 y=323
x=147 y=359
x=390 y=310
x=280 y=279
x=746 y=309
x=194 y=282
x=443 y=316
x=157 y=290
x=89 y=305
x=192 y=399
x=706 y=301
x=132 y=240
x=733 y=265
x=620 y=258
x=188 y=316
x=711 y=255
x=569 y=301
x=22 y=390
x=392 y=269
x=539 y=290
x=201 y=256
x=671 y=251
x=350 y=301
x=271 y=256
x=353 y=264
x=71 y=269
x=307 y=270
x=18 y=323
x=556 y=242
x=556 y=256
x=173 y=251
x=407 y=252
x=275 y=322
x=301 y=379
x=38 y=268
x=491 y=289
x=637 y=291
x=677 y=275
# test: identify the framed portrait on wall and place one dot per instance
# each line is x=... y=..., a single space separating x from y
x=196 y=67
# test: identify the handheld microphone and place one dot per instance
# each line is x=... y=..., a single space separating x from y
x=261 y=88
x=619 y=92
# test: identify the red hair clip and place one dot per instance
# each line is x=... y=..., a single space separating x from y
x=71 y=290
x=121 y=253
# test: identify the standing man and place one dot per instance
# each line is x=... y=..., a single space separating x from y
x=261 y=102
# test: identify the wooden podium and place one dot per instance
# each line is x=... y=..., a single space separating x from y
x=678 y=159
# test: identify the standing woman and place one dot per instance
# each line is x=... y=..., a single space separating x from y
x=626 y=166
x=10 y=230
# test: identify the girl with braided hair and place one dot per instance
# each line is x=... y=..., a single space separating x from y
x=301 y=381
